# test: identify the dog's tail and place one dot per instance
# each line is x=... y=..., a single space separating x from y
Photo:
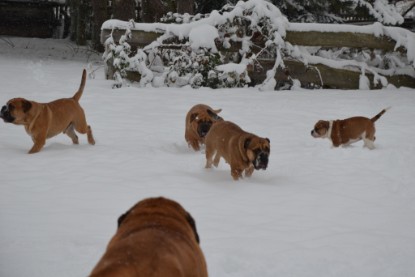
x=376 y=117
x=78 y=94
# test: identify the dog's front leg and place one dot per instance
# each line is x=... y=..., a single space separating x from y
x=236 y=173
x=249 y=171
x=39 y=142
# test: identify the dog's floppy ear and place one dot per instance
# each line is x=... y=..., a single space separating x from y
x=213 y=114
x=122 y=218
x=193 y=116
x=267 y=139
x=192 y=224
x=247 y=142
x=26 y=105
x=243 y=144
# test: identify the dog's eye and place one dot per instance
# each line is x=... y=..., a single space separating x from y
x=266 y=149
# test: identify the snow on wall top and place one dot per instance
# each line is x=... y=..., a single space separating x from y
x=259 y=9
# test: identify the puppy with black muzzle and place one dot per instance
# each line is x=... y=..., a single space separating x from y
x=347 y=131
x=199 y=120
x=156 y=237
x=45 y=120
x=243 y=151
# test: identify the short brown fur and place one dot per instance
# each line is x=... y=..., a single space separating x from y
x=195 y=118
x=349 y=130
x=45 y=120
x=155 y=238
x=243 y=151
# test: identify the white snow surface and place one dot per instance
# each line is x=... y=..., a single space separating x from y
x=203 y=36
x=316 y=210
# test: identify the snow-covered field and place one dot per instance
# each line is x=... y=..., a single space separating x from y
x=316 y=210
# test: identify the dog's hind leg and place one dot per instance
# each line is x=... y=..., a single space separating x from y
x=368 y=143
x=70 y=132
x=82 y=127
x=369 y=138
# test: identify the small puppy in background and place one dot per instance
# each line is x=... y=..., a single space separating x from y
x=347 y=131
x=156 y=237
x=46 y=120
x=199 y=120
x=243 y=151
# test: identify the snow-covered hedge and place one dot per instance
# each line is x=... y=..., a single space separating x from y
x=187 y=54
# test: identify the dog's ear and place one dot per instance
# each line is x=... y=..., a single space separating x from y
x=213 y=114
x=247 y=142
x=193 y=116
x=122 y=218
x=26 y=105
x=243 y=144
x=267 y=139
x=192 y=224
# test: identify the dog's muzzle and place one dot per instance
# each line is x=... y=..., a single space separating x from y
x=5 y=114
x=261 y=161
x=314 y=134
x=203 y=128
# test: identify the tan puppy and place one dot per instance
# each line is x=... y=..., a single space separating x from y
x=156 y=237
x=347 y=131
x=45 y=120
x=241 y=150
x=198 y=122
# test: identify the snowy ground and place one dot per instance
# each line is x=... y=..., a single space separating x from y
x=316 y=211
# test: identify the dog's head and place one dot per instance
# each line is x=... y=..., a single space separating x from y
x=160 y=205
x=15 y=110
x=321 y=129
x=204 y=119
x=256 y=150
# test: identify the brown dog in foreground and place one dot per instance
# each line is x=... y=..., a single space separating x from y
x=45 y=120
x=347 y=131
x=156 y=237
x=241 y=150
x=198 y=122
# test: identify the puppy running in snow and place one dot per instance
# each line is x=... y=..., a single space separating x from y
x=199 y=120
x=243 y=151
x=46 y=120
x=347 y=131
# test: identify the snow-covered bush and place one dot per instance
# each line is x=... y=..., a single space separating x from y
x=255 y=31
x=120 y=56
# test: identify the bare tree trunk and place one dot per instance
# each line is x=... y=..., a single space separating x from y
x=186 y=6
x=124 y=10
x=81 y=22
x=100 y=14
x=74 y=5
x=152 y=10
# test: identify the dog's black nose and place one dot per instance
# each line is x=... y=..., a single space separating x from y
x=3 y=110
x=263 y=157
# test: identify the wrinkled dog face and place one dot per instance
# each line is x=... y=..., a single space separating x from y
x=15 y=109
x=320 y=129
x=203 y=121
x=258 y=150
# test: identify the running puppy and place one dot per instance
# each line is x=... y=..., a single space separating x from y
x=156 y=237
x=347 y=131
x=46 y=120
x=241 y=150
x=198 y=122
